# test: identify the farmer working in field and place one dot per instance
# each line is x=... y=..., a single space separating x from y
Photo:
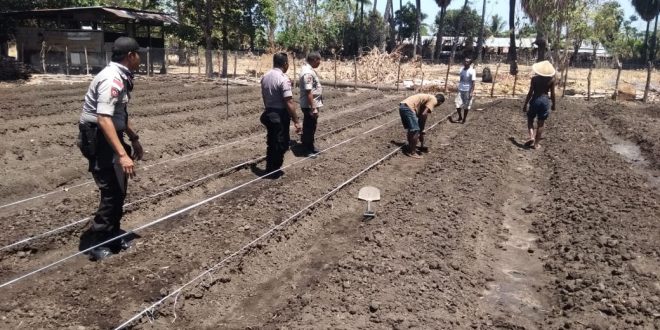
x=103 y=124
x=311 y=100
x=414 y=111
x=542 y=82
x=280 y=111
x=465 y=95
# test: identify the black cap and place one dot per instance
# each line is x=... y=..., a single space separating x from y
x=124 y=45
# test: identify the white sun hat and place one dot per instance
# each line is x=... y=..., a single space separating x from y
x=544 y=69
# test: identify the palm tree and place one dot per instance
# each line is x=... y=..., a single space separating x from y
x=443 y=4
x=418 y=37
x=496 y=25
x=480 y=41
x=647 y=10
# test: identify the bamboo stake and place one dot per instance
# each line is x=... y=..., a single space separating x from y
x=66 y=58
x=563 y=92
x=149 y=70
x=43 y=55
x=515 y=83
x=447 y=75
x=219 y=65
x=398 y=75
x=335 y=70
x=618 y=76
x=235 y=62
x=199 y=63
x=356 y=72
x=86 y=61
x=648 y=82
x=589 y=83
x=492 y=87
x=188 y=62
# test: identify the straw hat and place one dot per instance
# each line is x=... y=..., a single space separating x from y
x=544 y=69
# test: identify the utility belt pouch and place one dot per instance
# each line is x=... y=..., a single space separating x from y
x=87 y=139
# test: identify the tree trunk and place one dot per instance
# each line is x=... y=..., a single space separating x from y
x=459 y=28
x=225 y=47
x=512 y=56
x=655 y=39
x=645 y=57
x=480 y=42
x=542 y=44
x=438 y=37
x=418 y=39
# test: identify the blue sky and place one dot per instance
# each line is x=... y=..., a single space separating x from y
x=500 y=7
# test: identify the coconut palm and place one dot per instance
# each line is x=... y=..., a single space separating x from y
x=513 y=56
x=647 y=10
x=443 y=4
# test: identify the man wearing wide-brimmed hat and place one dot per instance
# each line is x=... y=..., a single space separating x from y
x=543 y=82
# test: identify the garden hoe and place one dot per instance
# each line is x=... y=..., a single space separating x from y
x=369 y=194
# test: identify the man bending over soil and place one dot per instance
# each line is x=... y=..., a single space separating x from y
x=413 y=111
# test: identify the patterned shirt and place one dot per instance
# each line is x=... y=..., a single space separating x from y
x=108 y=95
x=275 y=87
x=309 y=81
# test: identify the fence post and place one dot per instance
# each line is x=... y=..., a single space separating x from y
x=335 y=70
x=86 y=61
x=220 y=65
x=235 y=62
x=356 y=72
x=648 y=81
x=149 y=61
x=378 y=66
x=563 y=92
x=199 y=63
x=492 y=87
x=66 y=58
x=589 y=83
x=515 y=83
x=619 y=67
x=398 y=75
x=43 y=55
x=447 y=75
x=188 y=61
x=165 y=59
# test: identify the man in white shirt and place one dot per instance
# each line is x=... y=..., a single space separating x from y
x=465 y=90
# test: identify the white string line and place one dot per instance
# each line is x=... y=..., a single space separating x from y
x=255 y=160
x=146 y=167
x=264 y=235
x=184 y=210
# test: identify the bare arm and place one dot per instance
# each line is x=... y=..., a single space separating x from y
x=138 y=152
x=291 y=108
x=529 y=97
x=110 y=133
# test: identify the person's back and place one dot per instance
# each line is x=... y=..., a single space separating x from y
x=273 y=89
x=541 y=85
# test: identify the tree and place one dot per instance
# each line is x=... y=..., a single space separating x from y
x=462 y=22
x=512 y=57
x=418 y=37
x=480 y=42
x=440 y=20
x=496 y=25
x=647 y=10
x=406 y=18
x=606 y=26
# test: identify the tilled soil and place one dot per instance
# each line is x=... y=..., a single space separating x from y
x=481 y=233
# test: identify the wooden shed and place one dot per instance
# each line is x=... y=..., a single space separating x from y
x=80 y=39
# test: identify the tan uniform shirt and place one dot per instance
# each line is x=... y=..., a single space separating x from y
x=275 y=86
x=419 y=102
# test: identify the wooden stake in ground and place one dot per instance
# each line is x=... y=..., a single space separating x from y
x=356 y=72
x=43 y=55
x=447 y=75
x=492 y=87
x=648 y=81
x=589 y=83
x=219 y=64
x=295 y=75
x=199 y=62
x=398 y=75
x=619 y=67
x=421 y=86
x=515 y=83
x=378 y=66
x=149 y=70
x=565 y=80
x=86 y=61
x=66 y=58
x=335 y=70
x=235 y=62
x=188 y=62
x=166 y=52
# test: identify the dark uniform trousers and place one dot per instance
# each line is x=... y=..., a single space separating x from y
x=277 y=123
x=99 y=153
x=309 y=129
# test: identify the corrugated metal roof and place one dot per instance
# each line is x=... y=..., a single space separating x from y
x=115 y=13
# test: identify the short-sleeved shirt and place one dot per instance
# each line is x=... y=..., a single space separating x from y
x=108 y=95
x=419 y=102
x=275 y=86
x=309 y=81
x=468 y=77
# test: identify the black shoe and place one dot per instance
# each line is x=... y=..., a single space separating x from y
x=99 y=253
x=275 y=175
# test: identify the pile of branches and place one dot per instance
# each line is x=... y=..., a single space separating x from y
x=11 y=70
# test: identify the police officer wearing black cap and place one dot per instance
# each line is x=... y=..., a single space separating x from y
x=103 y=124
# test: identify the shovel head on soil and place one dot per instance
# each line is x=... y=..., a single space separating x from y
x=369 y=194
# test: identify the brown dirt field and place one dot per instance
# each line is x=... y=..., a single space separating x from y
x=482 y=233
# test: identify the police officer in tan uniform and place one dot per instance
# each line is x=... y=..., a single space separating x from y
x=103 y=124
x=311 y=100
x=279 y=111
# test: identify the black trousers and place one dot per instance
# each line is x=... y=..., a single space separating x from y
x=309 y=128
x=277 y=123
x=111 y=181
